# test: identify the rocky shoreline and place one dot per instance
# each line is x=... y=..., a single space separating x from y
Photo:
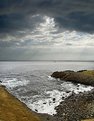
x=77 y=107
x=12 y=109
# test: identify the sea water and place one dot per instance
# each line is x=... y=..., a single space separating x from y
x=30 y=82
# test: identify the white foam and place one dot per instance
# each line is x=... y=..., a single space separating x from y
x=68 y=86
x=13 y=82
x=48 y=105
x=51 y=78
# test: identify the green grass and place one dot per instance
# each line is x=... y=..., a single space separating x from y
x=88 y=72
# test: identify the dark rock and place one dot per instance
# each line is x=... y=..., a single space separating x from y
x=69 y=71
x=68 y=91
x=81 y=70
x=63 y=98
x=54 y=99
x=44 y=103
x=86 y=77
x=36 y=110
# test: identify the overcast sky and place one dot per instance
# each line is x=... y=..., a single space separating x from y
x=46 y=29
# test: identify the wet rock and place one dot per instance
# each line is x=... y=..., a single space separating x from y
x=44 y=103
x=54 y=100
x=68 y=91
x=36 y=110
x=63 y=98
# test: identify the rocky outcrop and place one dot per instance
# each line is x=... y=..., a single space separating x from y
x=83 y=76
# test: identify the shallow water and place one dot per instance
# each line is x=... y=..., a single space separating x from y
x=32 y=84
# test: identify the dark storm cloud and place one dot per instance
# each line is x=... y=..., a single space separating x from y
x=70 y=14
x=13 y=22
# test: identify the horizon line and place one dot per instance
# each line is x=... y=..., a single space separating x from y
x=54 y=60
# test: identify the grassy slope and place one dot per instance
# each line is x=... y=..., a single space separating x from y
x=12 y=109
x=89 y=72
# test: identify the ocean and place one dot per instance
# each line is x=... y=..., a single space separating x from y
x=31 y=83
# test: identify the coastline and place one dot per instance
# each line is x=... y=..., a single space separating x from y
x=76 y=107
x=13 y=110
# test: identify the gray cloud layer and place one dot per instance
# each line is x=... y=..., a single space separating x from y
x=33 y=29
x=71 y=14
